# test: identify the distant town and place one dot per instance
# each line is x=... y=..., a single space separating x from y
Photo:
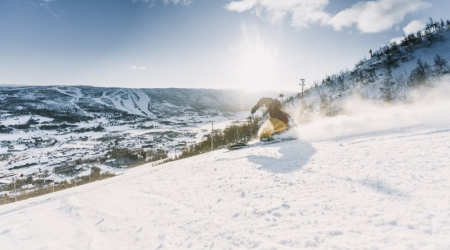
x=33 y=157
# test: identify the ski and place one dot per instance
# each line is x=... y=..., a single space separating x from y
x=240 y=145
x=236 y=145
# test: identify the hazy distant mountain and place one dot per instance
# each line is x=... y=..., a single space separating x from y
x=88 y=101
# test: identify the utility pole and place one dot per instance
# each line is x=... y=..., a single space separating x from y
x=212 y=135
x=15 y=193
x=302 y=84
x=251 y=127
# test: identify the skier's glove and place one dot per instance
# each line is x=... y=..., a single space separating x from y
x=256 y=107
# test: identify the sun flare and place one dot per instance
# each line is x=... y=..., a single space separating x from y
x=257 y=61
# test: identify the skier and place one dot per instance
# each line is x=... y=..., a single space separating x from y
x=278 y=117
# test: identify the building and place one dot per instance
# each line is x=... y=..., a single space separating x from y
x=17 y=148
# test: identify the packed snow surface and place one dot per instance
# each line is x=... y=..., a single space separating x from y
x=376 y=190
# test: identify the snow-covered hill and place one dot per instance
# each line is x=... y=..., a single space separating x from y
x=384 y=186
x=89 y=101
x=390 y=74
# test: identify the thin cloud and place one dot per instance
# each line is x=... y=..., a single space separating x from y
x=303 y=12
x=367 y=16
x=151 y=3
x=376 y=16
x=396 y=40
x=412 y=27
x=134 y=67
x=45 y=4
x=183 y=2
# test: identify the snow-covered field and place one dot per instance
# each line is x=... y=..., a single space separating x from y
x=375 y=190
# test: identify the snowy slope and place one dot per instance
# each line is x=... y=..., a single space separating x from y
x=384 y=189
x=370 y=75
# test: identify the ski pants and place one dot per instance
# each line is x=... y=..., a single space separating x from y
x=269 y=127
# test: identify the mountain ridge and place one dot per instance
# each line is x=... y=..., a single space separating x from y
x=137 y=101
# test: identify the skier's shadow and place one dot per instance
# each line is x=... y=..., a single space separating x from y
x=293 y=155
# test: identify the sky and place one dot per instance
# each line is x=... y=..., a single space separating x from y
x=251 y=44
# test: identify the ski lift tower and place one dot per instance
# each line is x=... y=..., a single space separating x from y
x=302 y=84
x=212 y=135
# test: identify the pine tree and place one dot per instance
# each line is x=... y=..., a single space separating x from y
x=430 y=24
x=390 y=63
x=404 y=42
x=394 y=47
x=419 y=36
x=324 y=105
x=427 y=28
x=440 y=63
x=341 y=86
x=419 y=75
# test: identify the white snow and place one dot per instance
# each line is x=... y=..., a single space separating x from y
x=15 y=120
x=143 y=102
x=133 y=101
x=116 y=100
x=99 y=100
x=377 y=177
x=388 y=189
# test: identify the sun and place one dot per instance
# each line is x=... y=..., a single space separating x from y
x=256 y=62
